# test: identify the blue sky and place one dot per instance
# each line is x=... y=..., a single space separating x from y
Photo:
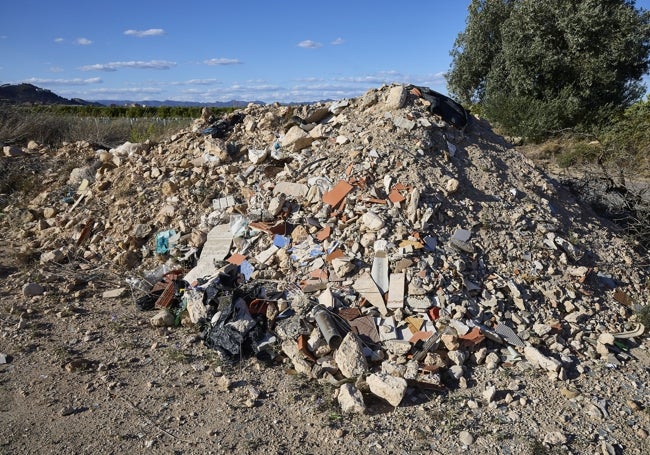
x=218 y=51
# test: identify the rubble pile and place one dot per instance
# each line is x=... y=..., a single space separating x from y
x=380 y=243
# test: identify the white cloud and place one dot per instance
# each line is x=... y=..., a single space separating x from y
x=58 y=40
x=145 y=33
x=56 y=69
x=75 y=81
x=222 y=61
x=201 y=82
x=83 y=41
x=309 y=44
x=114 y=66
x=338 y=41
x=128 y=90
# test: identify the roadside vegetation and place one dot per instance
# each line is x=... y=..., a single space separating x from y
x=566 y=77
x=105 y=125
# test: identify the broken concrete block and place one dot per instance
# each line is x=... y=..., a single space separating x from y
x=390 y=388
x=349 y=357
x=351 y=400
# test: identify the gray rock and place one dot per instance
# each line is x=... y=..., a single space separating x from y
x=52 y=256
x=32 y=289
x=555 y=438
x=114 y=293
x=351 y=400
x=12 y=150
x=164 y=318
x=388 y=387
x=404 y=123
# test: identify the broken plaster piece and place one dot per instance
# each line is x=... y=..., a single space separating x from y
x=367 y=287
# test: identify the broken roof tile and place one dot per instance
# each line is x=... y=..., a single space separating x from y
x=337 y=194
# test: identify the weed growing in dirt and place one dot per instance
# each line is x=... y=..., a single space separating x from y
x=643 y=316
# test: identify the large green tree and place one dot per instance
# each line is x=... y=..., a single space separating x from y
x=540 y=65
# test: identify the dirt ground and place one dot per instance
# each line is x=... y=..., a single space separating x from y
x=90 y=375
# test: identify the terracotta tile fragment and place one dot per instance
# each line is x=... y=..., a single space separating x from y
x=337 y=194
x=303 y=348
x=166 y=297
x=333 y=255
x=472 y=338
x=423 y=336
x=396 y=197
x=324 y=233
x=373 y=200
x=621 y=297
x=349 y=314
x=236 y=259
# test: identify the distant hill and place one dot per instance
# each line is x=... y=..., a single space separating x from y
x=30 y=94
x=33 y=95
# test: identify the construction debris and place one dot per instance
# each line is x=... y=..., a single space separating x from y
x=390 y=238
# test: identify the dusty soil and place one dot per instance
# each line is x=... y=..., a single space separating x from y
x=88 y=375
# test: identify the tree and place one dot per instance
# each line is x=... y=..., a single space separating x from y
x=539 y=65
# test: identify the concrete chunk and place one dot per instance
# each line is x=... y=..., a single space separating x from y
x=388 y=387
x=351 y=400
x=349 y=357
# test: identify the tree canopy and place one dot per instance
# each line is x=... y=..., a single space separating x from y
x=540 y=65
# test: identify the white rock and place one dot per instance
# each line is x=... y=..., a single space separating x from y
x=452 y=186
x=489 y=392
x=290 y=348
x=296 y=139
x=388 y=387
x=458 y=357
x=351 y=400
x=342 y=266
x=257 y=156
x=456 y=371
x=349 y=357
x=537 y=358
x=396 y=97
x=372 y=221
x=466 y=438
x=606 y=338
x=555 y=438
